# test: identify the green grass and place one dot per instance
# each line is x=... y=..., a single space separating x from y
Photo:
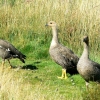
x=22 y=23
x=41 y=83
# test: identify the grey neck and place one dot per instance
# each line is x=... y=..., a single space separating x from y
x=55 y=36
x=85 y=54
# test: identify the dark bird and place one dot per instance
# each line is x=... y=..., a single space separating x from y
x=8 y=51
x=88 y=69
x=61 y=54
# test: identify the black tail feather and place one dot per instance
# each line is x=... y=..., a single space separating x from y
x=22 y=57
x=22 y=60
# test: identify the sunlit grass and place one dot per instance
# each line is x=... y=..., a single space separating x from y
x=40 y=84
x=22 y=23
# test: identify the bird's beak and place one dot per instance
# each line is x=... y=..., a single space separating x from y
x=46 y=24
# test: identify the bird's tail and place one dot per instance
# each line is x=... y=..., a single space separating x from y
x=22 y=58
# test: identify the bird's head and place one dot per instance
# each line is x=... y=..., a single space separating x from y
x=52 y=24
x=86 y=39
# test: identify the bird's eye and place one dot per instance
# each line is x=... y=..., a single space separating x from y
x=51 y=23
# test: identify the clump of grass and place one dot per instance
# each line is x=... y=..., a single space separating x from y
x=12 y=87
x=92 y=93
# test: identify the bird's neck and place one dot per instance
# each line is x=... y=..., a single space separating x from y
x=85 y=54
x=54 y=41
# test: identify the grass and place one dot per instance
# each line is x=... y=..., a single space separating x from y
x=22 y=23
x=41 y=83
x=38 y=84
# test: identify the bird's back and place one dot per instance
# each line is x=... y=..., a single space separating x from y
x=10 y=50
x=64 y=57
x=89 y=70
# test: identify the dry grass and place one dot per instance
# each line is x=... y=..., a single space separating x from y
x=22 y=22
x=13 y=87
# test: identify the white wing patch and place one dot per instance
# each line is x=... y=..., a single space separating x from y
x=71 y=58
x=8 y=49
x=0 y=46
x=16 y=55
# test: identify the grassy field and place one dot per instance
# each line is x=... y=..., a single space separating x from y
x=22 y=23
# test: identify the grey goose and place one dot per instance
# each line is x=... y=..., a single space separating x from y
x=88 y=69
x=61 y=54
x=8 y=51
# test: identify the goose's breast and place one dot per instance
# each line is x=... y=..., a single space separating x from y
x=84 y=66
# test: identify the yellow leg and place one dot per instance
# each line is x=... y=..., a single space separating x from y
x=3 y=62
x=9 y=63
x=87 y=85
x=64 y=76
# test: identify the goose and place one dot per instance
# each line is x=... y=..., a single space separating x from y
x=88 y=69
x=8 y=51
x=62 y=55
